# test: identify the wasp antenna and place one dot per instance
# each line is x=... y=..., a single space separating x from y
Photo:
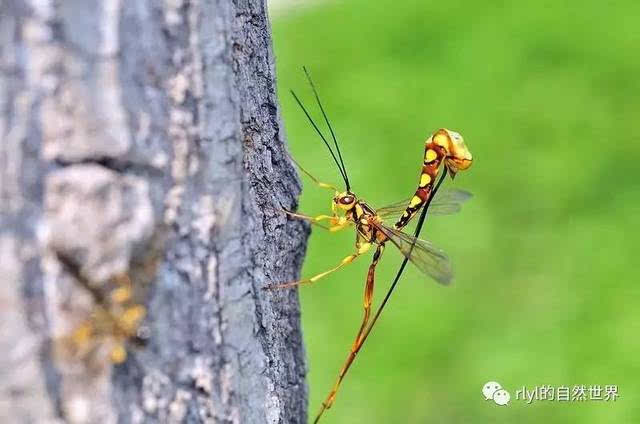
x=335 y=159
x=326 y=119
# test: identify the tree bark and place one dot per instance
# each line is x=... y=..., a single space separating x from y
x=142 y=148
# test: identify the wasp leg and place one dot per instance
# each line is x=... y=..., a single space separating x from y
x=357 y=343
x=312 y=219
x=314 y=179
x=363 y=248
x=337 y=223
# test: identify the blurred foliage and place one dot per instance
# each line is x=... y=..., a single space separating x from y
x=546 y=95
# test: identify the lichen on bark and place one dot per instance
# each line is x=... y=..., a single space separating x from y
x=144 y=138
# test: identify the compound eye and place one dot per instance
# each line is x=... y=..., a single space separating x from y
x=346 y=200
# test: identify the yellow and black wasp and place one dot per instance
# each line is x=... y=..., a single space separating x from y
x=444 y=148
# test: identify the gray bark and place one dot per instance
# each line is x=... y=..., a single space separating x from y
x=143 y=139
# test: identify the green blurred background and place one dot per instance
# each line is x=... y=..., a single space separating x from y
x=547 y=96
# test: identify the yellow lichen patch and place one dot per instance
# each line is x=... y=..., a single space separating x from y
x=424 y=180
x=131 y=317
x=121 y=294
x=415 y=201
x=118 y=354
x=430 y=156
x=82 y=334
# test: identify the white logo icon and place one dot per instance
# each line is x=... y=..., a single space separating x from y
x=501 y=397
x=493 y=390
x=489 y=389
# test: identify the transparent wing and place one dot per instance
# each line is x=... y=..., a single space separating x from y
x=447 y=201
x=424 y=255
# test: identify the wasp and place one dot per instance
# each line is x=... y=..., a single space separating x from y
x=444 y=148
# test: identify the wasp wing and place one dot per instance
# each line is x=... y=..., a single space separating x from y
x=446 y=202
x=423 y=254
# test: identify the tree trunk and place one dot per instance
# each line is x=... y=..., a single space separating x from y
x=143 y=170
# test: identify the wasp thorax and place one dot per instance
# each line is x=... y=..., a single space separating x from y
x=345 y=200
x=458 y=156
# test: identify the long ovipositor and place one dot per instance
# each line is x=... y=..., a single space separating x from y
x=443 y=147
